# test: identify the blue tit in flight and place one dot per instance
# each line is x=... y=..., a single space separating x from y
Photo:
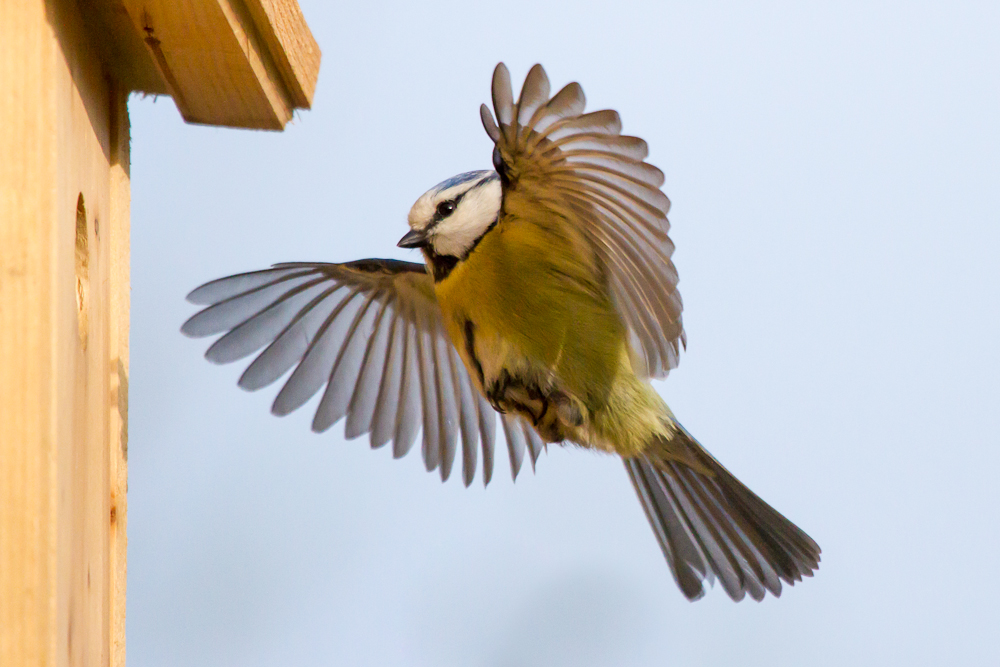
x=548 y=297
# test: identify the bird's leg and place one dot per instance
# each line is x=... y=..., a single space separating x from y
x=496 y=392
x=552 y=412
x=514 y=393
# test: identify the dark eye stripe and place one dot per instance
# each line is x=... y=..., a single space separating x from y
x=438 y=216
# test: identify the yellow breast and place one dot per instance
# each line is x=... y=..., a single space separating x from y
x=530 y=305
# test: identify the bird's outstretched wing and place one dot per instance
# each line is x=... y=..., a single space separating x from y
x=371 y=332
x=549 y=152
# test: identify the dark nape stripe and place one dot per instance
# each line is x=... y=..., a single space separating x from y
x=475 y=243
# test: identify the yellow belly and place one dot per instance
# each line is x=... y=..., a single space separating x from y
x=543 y=320
x=552 y=315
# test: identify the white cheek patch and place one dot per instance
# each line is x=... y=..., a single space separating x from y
x=456 y=234
x=422 y=213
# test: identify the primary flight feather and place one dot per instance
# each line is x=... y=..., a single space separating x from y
x=548 y=297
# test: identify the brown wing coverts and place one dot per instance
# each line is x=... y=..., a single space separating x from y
x=370 y=332
x=581 y=166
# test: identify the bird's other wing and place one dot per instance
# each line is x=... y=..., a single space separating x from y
x=549 y=152
x=371 y=332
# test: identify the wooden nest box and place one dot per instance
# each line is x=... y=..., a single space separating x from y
x=66 y=70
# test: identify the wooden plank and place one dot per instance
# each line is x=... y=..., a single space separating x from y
x=296 y=52
x=63 y=246
x=64 y=278
x=230 y=62
x=27 y=449
x=119 y=291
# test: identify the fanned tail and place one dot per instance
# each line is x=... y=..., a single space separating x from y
x=710 y=526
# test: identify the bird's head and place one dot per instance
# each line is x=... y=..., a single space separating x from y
x=449 y=219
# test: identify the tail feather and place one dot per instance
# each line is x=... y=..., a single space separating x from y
x=683 y=555
x=709 y=525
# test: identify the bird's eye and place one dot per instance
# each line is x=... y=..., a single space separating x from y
x=445 y=208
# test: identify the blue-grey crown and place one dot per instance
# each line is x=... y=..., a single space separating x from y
x=483 y=175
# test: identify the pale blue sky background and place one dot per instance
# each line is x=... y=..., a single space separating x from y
x=835 y=174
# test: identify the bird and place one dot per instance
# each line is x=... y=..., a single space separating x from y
x=547 y=298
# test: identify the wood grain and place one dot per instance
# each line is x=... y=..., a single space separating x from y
x=27 y=442
x=231 y=62
x=62 y=231
x=66 y=70
x=297 y=54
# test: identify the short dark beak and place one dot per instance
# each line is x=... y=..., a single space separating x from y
x=414 y=238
